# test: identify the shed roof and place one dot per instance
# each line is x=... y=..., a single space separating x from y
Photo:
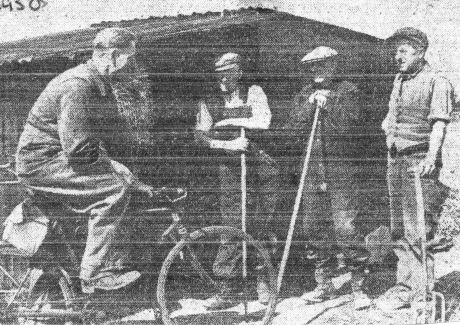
x=72 y=43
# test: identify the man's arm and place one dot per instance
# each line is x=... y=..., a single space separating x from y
x=387 y=128
x=79 y=138
x=428 y=165
x=388 y=124
x=203 y=127
x=441 y=108
x=76 y=125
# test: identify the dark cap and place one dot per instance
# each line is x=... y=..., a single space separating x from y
x=411 y=34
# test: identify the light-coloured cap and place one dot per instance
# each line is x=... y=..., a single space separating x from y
x=318 y=54
x=227 y=61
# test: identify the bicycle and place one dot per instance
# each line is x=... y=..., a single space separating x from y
x=48 y=291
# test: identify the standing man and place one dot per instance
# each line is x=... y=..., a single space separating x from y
x=62 y=157
x=419 y=110
x=331 y=185
x=219 y=120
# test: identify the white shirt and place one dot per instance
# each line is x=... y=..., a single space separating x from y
x=257 y=100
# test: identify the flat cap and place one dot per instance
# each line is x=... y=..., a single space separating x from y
x=318 y=54
x=409 y=33
x=113 y=37
x=227 y=61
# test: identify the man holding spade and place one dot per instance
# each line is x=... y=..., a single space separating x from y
x=222 y=121
x=330 y=192
x=419 y=111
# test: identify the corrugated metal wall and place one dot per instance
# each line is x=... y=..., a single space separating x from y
x=178 y=71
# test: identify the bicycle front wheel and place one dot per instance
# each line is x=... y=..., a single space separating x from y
x=208 y=266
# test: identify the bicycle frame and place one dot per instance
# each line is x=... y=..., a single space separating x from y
x=56 y=231
x=177 y=227
x=77 y=308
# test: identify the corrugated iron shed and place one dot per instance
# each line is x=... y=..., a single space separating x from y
x=72 y=43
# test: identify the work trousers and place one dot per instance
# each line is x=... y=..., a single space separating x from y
x=262 y=186
x=403 y=213
x=99 y=192
x=330 y=206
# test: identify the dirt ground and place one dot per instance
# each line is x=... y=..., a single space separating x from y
x=137 y=305
x=137 y=308
x=293 y=311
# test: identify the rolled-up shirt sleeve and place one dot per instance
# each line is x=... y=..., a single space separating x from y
x=442 y=99
x=203 y=125
x=76 y=124
x=261 y=115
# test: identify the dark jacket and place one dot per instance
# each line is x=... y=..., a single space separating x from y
x=75 y=116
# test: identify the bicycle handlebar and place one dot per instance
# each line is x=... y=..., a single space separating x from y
x=168 y=194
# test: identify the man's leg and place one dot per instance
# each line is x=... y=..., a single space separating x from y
x=399 y=295
x=409 y=281
x=433 y=195
x=352 y=256
x=265 y=226
x=229 y=255
x=268 y=176
x=104 y=198
x=319 y=238
x=230 y=206
x=101 y=253
x=107 y=250
x=267 y=230
x=324 y=265
x=394 y=182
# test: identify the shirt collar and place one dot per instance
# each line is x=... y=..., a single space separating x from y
x=408 y=76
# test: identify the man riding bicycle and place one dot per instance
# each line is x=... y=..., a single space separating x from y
x=63 y=157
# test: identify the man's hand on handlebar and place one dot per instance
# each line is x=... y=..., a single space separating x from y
x=146 y=189
x=163 y=194
x=172 y=195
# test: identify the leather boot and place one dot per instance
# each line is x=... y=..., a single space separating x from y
x=360 y=299
x=324 y=289
x=225 y=298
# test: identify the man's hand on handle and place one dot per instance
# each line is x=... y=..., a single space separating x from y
x=320 y=97
x=238 y=144
x=427 y=166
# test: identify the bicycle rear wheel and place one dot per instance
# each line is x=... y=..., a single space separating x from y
x=188 y=277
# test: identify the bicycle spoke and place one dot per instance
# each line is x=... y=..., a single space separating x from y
x=199 y=268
